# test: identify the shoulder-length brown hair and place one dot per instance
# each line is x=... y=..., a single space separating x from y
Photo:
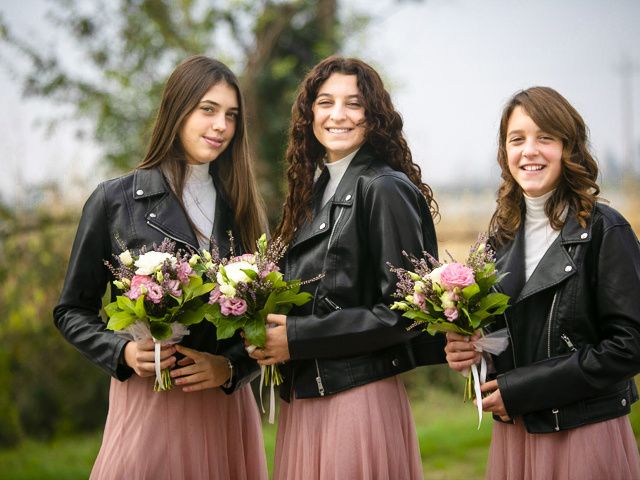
x=182 y=93
x=383 y=127
x=577 y=188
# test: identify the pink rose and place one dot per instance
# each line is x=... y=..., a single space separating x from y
x=233 y=306
x=214 y=296
x=451 y=314
x=183 y=271
x=456 y=275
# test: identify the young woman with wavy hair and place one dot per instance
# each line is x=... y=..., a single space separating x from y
x=195 y=183
x=355 y=202
x=565 y=385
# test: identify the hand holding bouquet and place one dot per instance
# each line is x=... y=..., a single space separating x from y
x=454 y=297
x=247 y=288
x=160 y=298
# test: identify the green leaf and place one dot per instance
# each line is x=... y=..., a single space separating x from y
x=121 y=320
x=139 y=309
x=202 y=289
x=160 y=330
x=193 y=316
x=126 y=304
x=228 y=326
x=252 y=274
x=470 y=291
x=255 y=331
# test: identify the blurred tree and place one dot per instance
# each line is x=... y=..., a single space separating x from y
x=123 y=51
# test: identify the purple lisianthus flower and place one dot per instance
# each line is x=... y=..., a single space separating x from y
x=137 y=282
x=451 y=314
x=173 y=287
x=183 y=271
x=233 y=306
x=214 y=296
x=154 y=292
x=419 y=299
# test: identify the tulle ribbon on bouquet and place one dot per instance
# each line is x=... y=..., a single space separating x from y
x=494 y=343
x=140 y=331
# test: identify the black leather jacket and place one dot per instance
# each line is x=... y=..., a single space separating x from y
x=140 y=209
x=347 y=336
x=574 y=325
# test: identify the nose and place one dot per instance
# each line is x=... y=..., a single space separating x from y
x=529 y=150
x=338 y=112
x=219 y=122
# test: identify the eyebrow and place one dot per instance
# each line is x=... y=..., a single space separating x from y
x=329 y=95
x=216 y=104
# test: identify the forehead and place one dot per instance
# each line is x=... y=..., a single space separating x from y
x=520 y=119
x=223 y=94
x=339 y=84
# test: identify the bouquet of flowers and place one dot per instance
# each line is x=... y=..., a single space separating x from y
x=246 y=289
x=455 y=297
x=160 y=298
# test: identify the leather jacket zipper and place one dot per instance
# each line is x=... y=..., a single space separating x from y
x=550 y=318
x=555 y=412
x=179 y=240
x=568 y=341
x=332 y=304
x=315 y=295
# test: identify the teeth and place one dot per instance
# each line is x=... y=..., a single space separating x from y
x=338 y=130
x=532 y=168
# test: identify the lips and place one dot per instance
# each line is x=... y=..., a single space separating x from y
x=215 y=142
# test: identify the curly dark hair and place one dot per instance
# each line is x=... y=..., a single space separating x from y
x=577 y=188
x=383 y=132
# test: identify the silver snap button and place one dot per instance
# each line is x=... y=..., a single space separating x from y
x=624 y=402
x=152 y=215
x=348 y=197
x=139 y=192
x=395 y=362
x=584 y=235
x=568 y=268
x=322 y=225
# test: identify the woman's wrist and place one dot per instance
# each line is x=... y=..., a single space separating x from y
x=229 y=381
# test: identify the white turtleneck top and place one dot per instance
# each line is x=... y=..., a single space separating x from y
x=336 y=172
x=199 y=198
x=539 y=235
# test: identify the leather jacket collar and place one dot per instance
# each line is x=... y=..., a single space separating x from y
x=165 y=213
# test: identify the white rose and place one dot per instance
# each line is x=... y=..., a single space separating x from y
x=235 y=274
x=151 y=262
x=125 y=258
x=435 y=274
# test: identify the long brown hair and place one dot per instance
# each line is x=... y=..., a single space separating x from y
x=577 y=188
x=184 y=89
x=383 y=125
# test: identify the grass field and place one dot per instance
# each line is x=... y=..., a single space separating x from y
x=451 y=446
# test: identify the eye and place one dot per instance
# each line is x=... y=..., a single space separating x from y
x=207 y=109
x=232 y=116
x=515 y=140
x=324 y=103
x=354 y=105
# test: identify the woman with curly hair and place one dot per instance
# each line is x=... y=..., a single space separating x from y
x=355 y=202
x=565 y=385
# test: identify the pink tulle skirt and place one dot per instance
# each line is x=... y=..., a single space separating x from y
x=363 y=433
x=604 y=450
x=176 y=435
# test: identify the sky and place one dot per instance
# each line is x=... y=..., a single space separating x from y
x=450 y=65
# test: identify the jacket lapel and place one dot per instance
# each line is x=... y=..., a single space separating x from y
x=510 y=261
x=164 y=212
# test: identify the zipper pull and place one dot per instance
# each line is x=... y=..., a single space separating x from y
x=555 y=412
x=320 y=386
x=568 y=341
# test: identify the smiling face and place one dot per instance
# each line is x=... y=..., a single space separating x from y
x=208 y=130
x=338 y=116
x=534 y=156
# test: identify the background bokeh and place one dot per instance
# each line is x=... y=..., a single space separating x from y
x=79 y=84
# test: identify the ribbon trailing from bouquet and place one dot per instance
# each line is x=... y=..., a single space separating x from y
x=494 y=343
x=272 y=393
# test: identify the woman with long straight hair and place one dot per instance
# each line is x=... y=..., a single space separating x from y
x=195 y=183
x=565 y=385
x=355 y=202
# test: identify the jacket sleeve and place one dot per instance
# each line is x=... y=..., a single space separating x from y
x=591 y=368
x=394 y=218
x=77 y=313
